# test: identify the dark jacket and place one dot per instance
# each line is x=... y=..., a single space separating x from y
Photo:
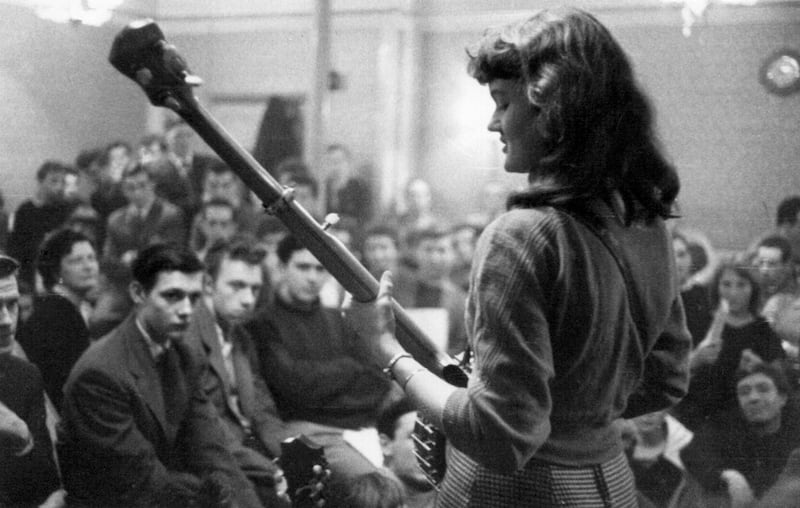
x=53 y=338
x=27 y=480
x=117 y=447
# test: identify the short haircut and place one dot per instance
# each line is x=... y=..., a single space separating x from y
x=416 y=236
x=387 y=419
x=239 y=248
x=136 y=170
x=50 y=167
x=8 y=266
x=219 y=167
x=742 y=271
x=777 y=375
x=788 y=210
x=151 y=139
x=382 y=229
x=288 y=246
x=778 y=242
x=56 y=246
x=86 y=158
x=163 y=257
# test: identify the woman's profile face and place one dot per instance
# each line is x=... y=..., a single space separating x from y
x=79 y=268
x=683 y=259
x=736 y=290
x=514 y=119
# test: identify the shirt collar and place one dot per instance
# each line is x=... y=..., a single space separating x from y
x=156 y=349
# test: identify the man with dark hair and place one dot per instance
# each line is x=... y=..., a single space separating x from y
x=233 y=281
x=776 y=275
x=395 y=428
x=215 y=221
x=740 y=454
x=28 y=474
x=139 y=429
x=220 y=182
x=35 y=217
x=307 y=359
x=145 y=220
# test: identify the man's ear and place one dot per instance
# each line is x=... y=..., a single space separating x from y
x=208 y=284
x=137 y=292
x=386 y=445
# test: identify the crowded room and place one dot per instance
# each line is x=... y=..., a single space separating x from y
x=400 y=254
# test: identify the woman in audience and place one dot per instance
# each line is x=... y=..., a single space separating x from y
x=737 y=339
x=693 y=293
x=56 y=333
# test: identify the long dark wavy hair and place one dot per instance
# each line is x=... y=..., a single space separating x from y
x=595 y=122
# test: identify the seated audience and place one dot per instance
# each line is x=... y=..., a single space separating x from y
x=113 y=302
x=465 y=238
x=36 y=217
x=430 y=286
x=654 y=454
x=395 y=428
x=738 y=338
x=419 y=210
x=787 y=225
x=347 y=192
x=138 y=428
x=693 y=293
x=776 y=275
x=294 y=173
x=28 y=474
x=233 y=383
x=147 y=219
x=320 y=386
x=215 y=221
x=108 y=196
x=740 y=454
x=181 y=140
x=221 y=182
x=56 y=334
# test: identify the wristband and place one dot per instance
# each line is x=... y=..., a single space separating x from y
x=396 y=358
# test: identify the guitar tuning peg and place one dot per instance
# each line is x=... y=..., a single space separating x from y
x=330 y=220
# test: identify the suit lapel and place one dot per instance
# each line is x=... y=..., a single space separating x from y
x=143 y=368
x=244 y=376
x=207 y=330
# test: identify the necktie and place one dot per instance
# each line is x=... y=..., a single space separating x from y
x=172 y=385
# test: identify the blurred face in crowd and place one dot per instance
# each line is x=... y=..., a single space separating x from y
x=683 y=259
x=79 y=269
x=418 y=197
x=303 y=277
x=235 y=289
x=464 y=241
x=166 y=309
x=218 y=223
x=514 y=118
x=736 y=290
x=179 y=140
x=9 y=309
x=223 y=185
x=139 y=189
x=152 y=153
x=337 y=163
x=759 y=399
x=398 y=452
x=380 y=253
x=773 y=271
x=119 y=158
x=53 y=186
x=434 y=257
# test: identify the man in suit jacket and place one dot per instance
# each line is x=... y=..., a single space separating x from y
x=28 y=474
x=146 y=220
x=234 y=278
x=138 y=428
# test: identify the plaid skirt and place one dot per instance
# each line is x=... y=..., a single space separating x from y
x=540 y=484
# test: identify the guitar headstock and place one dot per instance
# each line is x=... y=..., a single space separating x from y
x=141 y=52
x=306 y=470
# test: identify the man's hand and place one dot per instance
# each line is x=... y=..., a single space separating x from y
x=15 y=437
x=738 y=489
